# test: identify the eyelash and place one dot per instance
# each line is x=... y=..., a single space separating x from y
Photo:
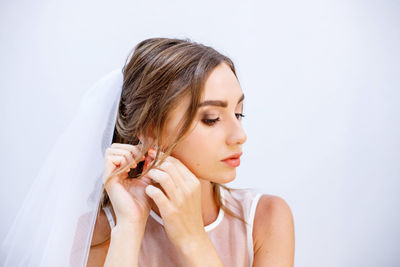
x=211 y=122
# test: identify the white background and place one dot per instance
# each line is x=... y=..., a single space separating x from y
x=321 y=80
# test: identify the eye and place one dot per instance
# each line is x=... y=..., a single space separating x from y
x=210 y=122
x=239 y=116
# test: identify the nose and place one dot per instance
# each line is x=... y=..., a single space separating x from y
x=236 y=134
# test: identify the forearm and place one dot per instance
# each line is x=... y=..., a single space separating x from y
x=200 y=253
x=124 y=248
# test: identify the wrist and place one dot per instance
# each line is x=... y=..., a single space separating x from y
x=127 y=223
x=126 y=240
x=129 y=228
x=131 y=235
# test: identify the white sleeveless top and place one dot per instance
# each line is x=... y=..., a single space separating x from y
x=232 y=239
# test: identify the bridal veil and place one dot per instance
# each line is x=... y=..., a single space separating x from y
x=55 y=223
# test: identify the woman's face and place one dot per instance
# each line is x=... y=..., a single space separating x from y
x=216 y=132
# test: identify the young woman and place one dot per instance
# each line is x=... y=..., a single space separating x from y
x=178 y=138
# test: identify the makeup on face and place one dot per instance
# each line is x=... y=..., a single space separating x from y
x=210 y=117
x=233 y=160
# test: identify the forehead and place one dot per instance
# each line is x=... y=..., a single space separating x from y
x=222 y=84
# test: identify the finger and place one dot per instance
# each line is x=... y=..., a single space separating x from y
x=164 y=180
x=124 y=146
x=112 y=163
x=135 y=150
x=146 y=180
x=117 y=160
x=169 y=167
x=173 y=166
x=159 y=198
x=119 y=151
x=124 y=153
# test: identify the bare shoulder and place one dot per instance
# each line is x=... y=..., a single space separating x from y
x=100 y=241
x=273 y=232
x=102 y=230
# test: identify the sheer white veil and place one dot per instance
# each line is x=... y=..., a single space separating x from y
x=55 y=223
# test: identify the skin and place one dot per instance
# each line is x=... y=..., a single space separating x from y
x=180 y=189
x=227 y=134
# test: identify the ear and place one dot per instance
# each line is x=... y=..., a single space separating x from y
x=146 y=139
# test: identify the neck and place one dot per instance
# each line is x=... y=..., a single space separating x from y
x=209 y=209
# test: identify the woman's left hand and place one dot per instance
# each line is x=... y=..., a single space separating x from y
x=180 y=205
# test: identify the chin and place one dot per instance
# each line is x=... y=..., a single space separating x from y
x=225 y=177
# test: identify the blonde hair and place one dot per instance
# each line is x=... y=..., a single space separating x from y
x=159 y=73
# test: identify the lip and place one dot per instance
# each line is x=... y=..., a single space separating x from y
x=233 y=160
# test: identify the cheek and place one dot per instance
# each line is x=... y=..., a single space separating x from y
x=194 y=146
x=197 y=151
x=201 y=155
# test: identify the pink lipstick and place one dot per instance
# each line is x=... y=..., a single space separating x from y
x=233 y=160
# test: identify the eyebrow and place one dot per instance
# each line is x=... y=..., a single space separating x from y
x=219 y=103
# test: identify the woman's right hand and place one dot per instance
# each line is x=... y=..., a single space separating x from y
x=130 y=203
